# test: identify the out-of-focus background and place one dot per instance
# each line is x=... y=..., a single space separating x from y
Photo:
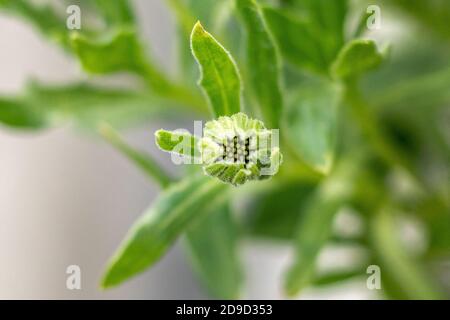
x=68 y=198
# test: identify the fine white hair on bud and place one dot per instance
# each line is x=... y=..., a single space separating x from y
x=238 y=149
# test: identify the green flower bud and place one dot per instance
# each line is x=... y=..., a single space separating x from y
x=233 y=149
x=238 y=149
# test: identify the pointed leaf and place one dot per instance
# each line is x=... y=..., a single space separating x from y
x=157 y=229
x=119 y=51
x=18 y=114
x=357 y=58
x=263 y=62
x=220 y=78
x=181 y=143
x=122 y=51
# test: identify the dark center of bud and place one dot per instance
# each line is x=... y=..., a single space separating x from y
x=237 y=150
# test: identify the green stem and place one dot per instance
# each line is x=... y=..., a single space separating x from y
x=167 y=89
x=332 y=278
x=142 y=160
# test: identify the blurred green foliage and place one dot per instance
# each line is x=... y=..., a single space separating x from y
x=359 y=127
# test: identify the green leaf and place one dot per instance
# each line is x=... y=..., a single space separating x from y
x=181 y=143
x=263 y=62
x=121 y=51
x=86 y=105
x=357 y=58
x=311 y=125
x=17 y=114
x=220 y=78
x=212 y=245
x=328 y=17
x=297 y=41
x=157 y=229
x=115 y=52
x=142 y=160
x=339 y=276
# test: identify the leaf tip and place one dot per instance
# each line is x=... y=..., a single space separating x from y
x=159 y=136
x=158 y=133
x=106 y=283
x=291 y=288
x=198 y=31
x=114 y=274
x=198 y=26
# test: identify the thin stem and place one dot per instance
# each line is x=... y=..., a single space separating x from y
x=142 y=160
x=167 y=89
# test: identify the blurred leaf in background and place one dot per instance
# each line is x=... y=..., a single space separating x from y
x=159 y=227
x=212 y=245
